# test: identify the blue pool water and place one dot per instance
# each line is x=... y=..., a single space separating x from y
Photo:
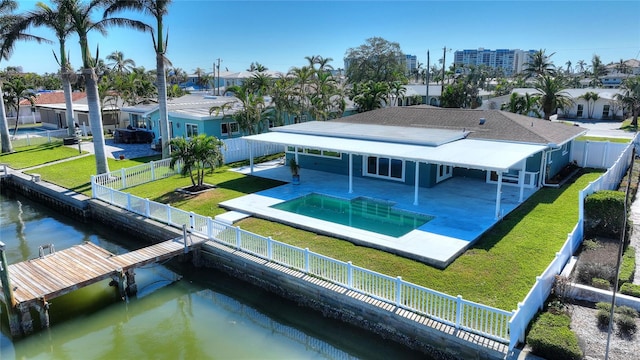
x=362 y=213
x=29 y=130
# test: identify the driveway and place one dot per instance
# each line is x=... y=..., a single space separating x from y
x=601 y=128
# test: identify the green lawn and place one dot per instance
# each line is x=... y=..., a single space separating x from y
x=76 y=174
x=28 y=156
x=598 y=138
x=498 y=271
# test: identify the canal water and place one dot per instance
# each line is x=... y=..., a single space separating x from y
x=180 y=312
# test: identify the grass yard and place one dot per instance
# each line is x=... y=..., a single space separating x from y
x=76 y=174
x=28 y=156
x=597 y=138
x=498 y=271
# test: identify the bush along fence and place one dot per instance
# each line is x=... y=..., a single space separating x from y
x=451 y=310
x=535 y=299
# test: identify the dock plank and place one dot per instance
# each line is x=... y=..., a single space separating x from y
x=80 y=265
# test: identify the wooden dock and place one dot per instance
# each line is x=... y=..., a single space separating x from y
x=32 y=283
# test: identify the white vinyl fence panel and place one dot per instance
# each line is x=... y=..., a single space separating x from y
x=597 y=154
x=238 y=149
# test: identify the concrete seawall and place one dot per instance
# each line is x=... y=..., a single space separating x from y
x=415 y=331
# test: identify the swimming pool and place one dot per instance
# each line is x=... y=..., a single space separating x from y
x=361 y=212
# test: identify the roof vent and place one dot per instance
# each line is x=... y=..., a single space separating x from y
x=482 y=121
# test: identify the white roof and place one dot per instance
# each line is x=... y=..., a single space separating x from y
x=466 y=153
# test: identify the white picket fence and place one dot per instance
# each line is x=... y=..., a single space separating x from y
x=238 y=149
x=535 y=299
x=136 y=175
x=454 y=311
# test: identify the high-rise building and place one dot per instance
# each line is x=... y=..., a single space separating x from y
x=511 y=61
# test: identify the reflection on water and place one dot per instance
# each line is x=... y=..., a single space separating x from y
x=180 y=312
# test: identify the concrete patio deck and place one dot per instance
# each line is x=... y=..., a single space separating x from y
x=464 y=208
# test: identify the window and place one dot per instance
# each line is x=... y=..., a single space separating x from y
x=565 y=149
x=170 y=129
x=605 y=111
x=229 y=128
x=580 y=110
x=385 y=167
x=316 y=152
x=192 y=130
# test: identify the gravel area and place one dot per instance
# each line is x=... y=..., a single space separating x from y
x=594 y=340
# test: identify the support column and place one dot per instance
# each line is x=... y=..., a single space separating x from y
x=43 y=310
x=26 y=321
x=132 y=287
x=417 y=181
x=120 y=281
x=498 y=194
x=14 y=319
x=250 y=144
x=350 y=173
x=521 y=179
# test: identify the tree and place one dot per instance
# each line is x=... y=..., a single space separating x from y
x=552 y=96
x=582 y=66
x=397 y=91
x=58 y=20
x=522 y=104
x=539 y=65
x=630 y=98
x=256 y=66
x=254 y=116
x=15 y=90
x=598 y=70
x=83 y=24
x=369 y=95
x=12 y=29
x=591 y=98
x=198 y=154
x=378 y=60
x=157 y=9
x=119 y=64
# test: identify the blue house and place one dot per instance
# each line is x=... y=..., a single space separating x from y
x=422 y=146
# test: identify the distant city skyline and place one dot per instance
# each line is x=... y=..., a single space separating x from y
x=279 y=34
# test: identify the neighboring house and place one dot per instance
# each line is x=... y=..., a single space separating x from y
x=189 y=116
x=422 y=146
x=53 y=115
x=32 y=114
x=606 y=107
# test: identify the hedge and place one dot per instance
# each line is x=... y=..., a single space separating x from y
x=630 y=289
x=603 y=211
x=628 y=266
x=551 y=338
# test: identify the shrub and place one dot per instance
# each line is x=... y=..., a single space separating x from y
x=603 y=211
x=603 y=316
x=626 y=324
x=630 y=289
x=588 y=270
x=626 y=311
x=590 y=244
x=600 y=283
x=628 y=266
x=551 y=337
x=603 y=306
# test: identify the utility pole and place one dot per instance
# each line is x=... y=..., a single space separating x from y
x=213 y=90
x=426 y=99
x=444 y=61
x=214 y=70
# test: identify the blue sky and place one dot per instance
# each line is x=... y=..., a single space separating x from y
x=279 y=34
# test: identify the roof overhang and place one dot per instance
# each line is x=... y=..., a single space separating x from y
x=465 y=153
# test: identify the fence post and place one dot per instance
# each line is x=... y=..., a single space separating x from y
x=209 y=228
x=398 y=291
x=458 y=311
x=269 y=248
x=541 y=295
x=349 y=275
x=93 y=186
x=48 y=137
x=306 y=260
x=129 y=201
x=123 y=176
x=238 y=238
x=192 y=221
x=153 y=170
x=147 y=208
x=168 y=214
x=28 y=137
x=111 y=191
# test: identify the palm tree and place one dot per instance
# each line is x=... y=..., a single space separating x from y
x=119 y=63
x=522 y=104
x=369 y=96
x=540 y=65
x=82 y=24
x=197 y=154
x=552 y=96
x=11 y=30
x=569 y=68
x=15 y=91
x=157 y=9
x=582 y=66
x=396 y=91
x=598 y=70
x=591 y=98
x=254 y=115
x=630 y=98
x=57 y=19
